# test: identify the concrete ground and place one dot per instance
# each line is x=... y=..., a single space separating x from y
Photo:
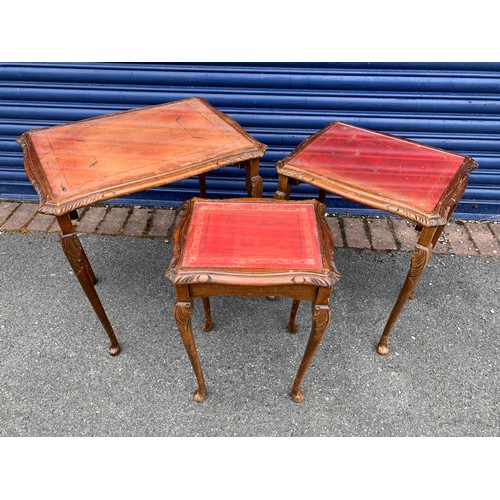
x=441 y=378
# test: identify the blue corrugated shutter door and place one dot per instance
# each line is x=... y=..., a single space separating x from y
x=454 y=106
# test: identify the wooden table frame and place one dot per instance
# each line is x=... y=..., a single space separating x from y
x=313 y=285
x=64 y=208
x=430 y=224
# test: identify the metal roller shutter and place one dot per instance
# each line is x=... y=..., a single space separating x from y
x=454 y=106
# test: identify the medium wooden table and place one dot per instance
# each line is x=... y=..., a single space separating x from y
x=75 y=165
x=252 y=248
x=417 y=182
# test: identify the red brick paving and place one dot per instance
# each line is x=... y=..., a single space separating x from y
x=6 y=209
x=333 y=224
x=162 y=220
x=484 y=239
x=90 y=219
x=355 y=234
x=136 y=224
x=386 y=233
x=382 y=238
x=113 y=221
x=495 y=227
x=41 y=222
x=54 y=228
x=20 y=217
x=405 y=234
x=443 y=245
x=459 y=239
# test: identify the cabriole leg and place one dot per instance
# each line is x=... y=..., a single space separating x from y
x=81 y=267
x=419 y=261
x=435 y=239
x=182 y=313
x=67 y=229
x=320 y=320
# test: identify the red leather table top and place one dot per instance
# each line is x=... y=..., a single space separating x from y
x=252 y=235
x=384 y=165
x=100 y=158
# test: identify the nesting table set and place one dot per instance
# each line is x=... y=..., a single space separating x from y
x=251 y=247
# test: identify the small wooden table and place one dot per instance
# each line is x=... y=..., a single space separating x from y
x=75 y=165
x=252 y=248
x=417 y=182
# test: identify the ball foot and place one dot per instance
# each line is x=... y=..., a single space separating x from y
x=383 y=349
x=207 y=326
x=199 y=396
x=114 y=350
x=293 y=328
x=297 y=396
x=271 y=297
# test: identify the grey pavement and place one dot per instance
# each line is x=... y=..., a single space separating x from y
x=441 y=378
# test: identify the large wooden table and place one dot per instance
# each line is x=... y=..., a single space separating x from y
x=75 y=165
x=253 y=248
x=419 y=183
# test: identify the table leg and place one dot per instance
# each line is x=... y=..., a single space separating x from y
x=322 y=196
x=437 y=234
x=435 y=239
x=419 y=261
x=202 y=181
x=283 y=191
x=208 y=315
x=253 y=179
x=182 y=313
x=67 y=229
x=320 y=320
x=292 y=326
x=81 y=267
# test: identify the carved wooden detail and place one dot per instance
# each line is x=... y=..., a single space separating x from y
x=321 y=318
x=418 y=263
x=256 y=186
x=452 y=198
x=50 y=164
x=71 y=248
x=283 y=191
x=325 y=277
x=439 y=216
x=299 y=284
x=146 y=179
x=77 y=259
x=432 y=221
x=182 y=314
